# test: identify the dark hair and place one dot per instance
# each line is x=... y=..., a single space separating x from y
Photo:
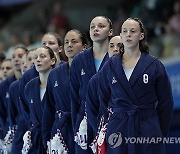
x=2 y=57
x=30 y=50
x=83 y=36
x=109 y=21
x=51 y=53
x=21 y=47
x=59 y=40
x=6 y=60
x=58 y=37
x=143 y=45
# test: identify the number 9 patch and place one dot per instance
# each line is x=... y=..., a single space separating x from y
x=145 y=78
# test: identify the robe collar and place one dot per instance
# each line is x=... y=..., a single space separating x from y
x=88 y=54
x=142 y=64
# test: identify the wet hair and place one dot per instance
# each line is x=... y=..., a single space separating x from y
x=51 y=53
x=28 y=51
x=59 y=40
x=31 y=50
x=83 y=36
x=21 y=47
x=110 y=24
x=6 y=60
x=57 y=36
x=108 y=20
x=143 y=45
x=2 y=57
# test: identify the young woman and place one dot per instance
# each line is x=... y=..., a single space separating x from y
x=92 y=100
x=83 y=67
x=27 y=61
x=6 y=71
x=94 y=110
x=45 y=60
x=15 y=117
x=131 y=85
x=57 y=110
x=18 y=52
x=53 y=41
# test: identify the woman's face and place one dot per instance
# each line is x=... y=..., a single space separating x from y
x=72 y=44
x=6 y=68
x=99 y=29
x=29 y=59
x=131 y=34
x=42 y=60
x=51 y=41
x=17 y=58
x=23 y=64
x=114 y=45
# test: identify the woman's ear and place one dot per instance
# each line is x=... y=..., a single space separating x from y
x=142 y=36
x=120 y=35
x=60 y=48
x=110 y=32
x=84 y=47
x=53 y=61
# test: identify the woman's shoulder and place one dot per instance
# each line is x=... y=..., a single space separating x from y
x=32 y=82
x=83 y=54
x=58 y=69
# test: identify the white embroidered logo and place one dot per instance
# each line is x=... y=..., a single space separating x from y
x=7 y=95
x=114 y=80
x=31 y=101
x=57 y=145
x=82 y=72
x=145 y=78
x=55 y=84
x=81 y=136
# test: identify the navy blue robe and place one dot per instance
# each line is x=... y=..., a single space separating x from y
x=32 y=94
x=4 y=98
x=82 y=69
x=57 y=99
x=141 y=107
x=15 y=117
x=13 y=103
x=27 y=76
x=92 y=103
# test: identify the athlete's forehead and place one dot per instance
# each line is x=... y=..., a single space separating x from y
x=130 y=24
x=115 y=39
x=98 y=20
x=49 y=38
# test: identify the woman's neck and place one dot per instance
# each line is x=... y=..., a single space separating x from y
x=43 y=78
x=17 y=74
x=99 y=50
x=58 y=61
x=130 y=58
x=70 y=61
x=131 y=53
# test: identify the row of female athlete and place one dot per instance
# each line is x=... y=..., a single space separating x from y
x=112 y=90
